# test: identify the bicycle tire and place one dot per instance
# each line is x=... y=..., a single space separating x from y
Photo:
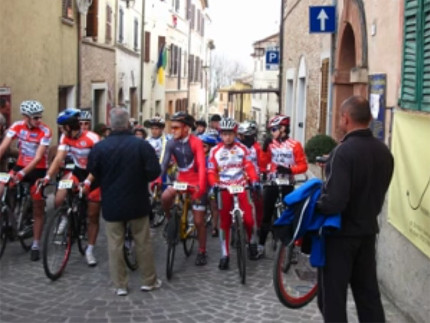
x=172 y=239
x=159 y=215
x=293 y=291
x=26 y=223
x=4 y=229
x=81 y=226
x=129 y=249
x=240 y=247
x=57 y=245
x=190 y=236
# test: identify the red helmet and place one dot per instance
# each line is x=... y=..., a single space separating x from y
x=279 y=120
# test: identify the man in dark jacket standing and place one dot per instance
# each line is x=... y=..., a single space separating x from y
x=358 y=174
x=123 y=165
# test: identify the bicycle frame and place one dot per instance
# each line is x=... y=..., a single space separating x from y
x=183 y=196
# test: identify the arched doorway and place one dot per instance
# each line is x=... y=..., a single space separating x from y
x=350 y=76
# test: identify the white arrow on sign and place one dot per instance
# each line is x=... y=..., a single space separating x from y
x=322 y=17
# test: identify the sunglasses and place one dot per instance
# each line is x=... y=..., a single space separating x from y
x=175 y=127
x=36 y=118
x=84 y=123
x=274 y=129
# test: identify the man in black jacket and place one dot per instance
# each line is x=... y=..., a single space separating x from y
x=123 y=165
x=358 y=174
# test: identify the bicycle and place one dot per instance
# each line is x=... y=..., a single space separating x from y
x=16 y=213
x=295 y=280
x=68 y=224
x=157 y=211
x=180 y=226
x=129 y=249
x=239 y=232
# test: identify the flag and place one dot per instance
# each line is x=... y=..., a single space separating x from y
x=161 y=64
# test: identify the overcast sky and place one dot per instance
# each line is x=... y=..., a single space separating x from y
x=237 y=24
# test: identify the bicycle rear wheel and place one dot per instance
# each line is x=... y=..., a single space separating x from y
x=294 y=279
x=191 y=234
x=82 y=226
x=240 y=247
x=57 y=244
x=4 y=229
x=129 y=249
x=25 y=223
x=172 y=240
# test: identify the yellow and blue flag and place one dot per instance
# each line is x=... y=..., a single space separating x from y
x=161 y=64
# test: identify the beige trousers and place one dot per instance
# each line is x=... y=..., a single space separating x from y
x=115 y=232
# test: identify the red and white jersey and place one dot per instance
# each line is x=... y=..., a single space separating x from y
x=29 y=140
x=288 y=153
x=230 y=165
x=79 y=148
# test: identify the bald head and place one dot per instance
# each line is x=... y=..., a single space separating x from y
x=358 y=109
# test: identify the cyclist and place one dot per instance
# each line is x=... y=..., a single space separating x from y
x=201 y=127
x=85 y=120
x=158 y=139
x=139 y=132
x=34 y=137
x=78 y=143
x=210 y=141
x=187 y=150
x=286 y=160
x=230 y=164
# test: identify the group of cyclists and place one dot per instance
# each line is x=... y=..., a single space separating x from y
x=209 y=159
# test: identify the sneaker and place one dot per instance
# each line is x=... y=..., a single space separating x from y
x=91 y=260
x=215 y=232
x=62 y=225
x=223 y=263
x=121 y=292
x=260 y=251
x=35 y=254
x=253 y=252
x=27 y=232
x=201 y=259
x=148 y=288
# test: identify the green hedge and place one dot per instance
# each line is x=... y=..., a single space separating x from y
x=319 y=145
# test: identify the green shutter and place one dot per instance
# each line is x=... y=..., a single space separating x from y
x=425 y=103
x=410 y=82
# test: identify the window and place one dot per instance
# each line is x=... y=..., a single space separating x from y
x=191 y=68
x=108 y=24
x=177 y=5
x=202 y=30
x=121 y=26
x=68 y=9
x=147 y=46
x=416 y=56
x=198 y=21
x=136 y=34
x=92 y=20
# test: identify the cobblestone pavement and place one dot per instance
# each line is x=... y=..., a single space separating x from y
x=195 y=294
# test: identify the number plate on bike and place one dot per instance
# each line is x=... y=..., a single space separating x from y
x=70 y=166
x=65 y=184
x=179 y=186
x=282 y=181
x=235 y=189
x=4 y=177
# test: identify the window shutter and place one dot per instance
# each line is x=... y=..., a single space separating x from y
x=136 y=34
x=121 y=26
x=324 y=95
x=193 y=11
x=425 y=103
x=188 y=9
x=108 y=24
x=147 y=46
x=92 y=20
x=203 y=27
x=171 y=60
x=198 y=21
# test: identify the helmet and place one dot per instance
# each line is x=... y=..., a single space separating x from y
x=201 y=122
x=247 y=128
x=216 y=117
x=139 y=128
x=156 y=121
x=183 y=117
x=69 y=117
x=228 y=124
x=278 y=120
x=31 y=108
x=212 y=132
x=208 y=139
x=85 y=115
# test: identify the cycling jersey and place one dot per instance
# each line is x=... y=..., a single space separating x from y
x=190 y=159
x=29 y=140
x=80 y=147
x=231 y=165
x=288 y=153
x=159 y=145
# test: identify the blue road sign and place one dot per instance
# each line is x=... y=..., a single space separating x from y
x=272 y=59
x=322 y=19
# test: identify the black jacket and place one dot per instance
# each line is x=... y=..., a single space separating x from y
x=123 y=165
x=358 y=174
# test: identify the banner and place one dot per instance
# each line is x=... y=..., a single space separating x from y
x=409 y=195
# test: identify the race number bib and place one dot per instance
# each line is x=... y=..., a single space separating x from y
x=179 y=186
x=65 y=184
x=4 y=177
x=236 y=189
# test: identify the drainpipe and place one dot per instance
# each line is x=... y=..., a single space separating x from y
x=142 y=63
x=281 y=58
x=331 y=70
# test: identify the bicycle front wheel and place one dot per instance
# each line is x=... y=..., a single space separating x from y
x=82 y=227
x=57 y=244
x=190 y=234
x=294 y=279
x=4 y=229
x=172 y=240
x=240 y=247
x=129 y=249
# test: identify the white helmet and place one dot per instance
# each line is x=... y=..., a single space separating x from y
x=31 y=108
x=85 y=115
x=247 y=128
x=228 y=124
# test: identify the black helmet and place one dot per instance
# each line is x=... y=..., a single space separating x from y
x=156 y=121
x=184 y=117
x=201 y=122
x=216 y=117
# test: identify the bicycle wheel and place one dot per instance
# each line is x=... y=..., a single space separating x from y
x=57 y=244
x=81 y=226
x=4 y=229
x=240 y=247
x=191 y=234
x=158 y=214
x=129 y=249
x=294 y=279
x=25 y=222
x=172 y=239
